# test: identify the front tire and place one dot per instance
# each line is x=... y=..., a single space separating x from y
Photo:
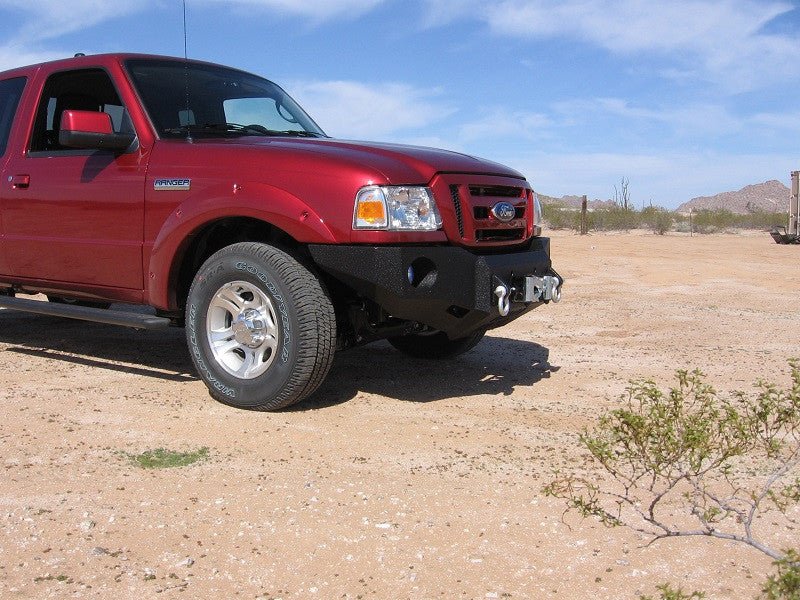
x=260 y=327
x=436 y=345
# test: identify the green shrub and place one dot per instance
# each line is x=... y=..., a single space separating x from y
x=657 y=219
x=667 y=592
x=166 y=459
x=785 y=584
x=561 y=217
x=615 y=218
x=688 y=462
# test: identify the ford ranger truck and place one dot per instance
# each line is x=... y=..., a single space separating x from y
x=209 y=195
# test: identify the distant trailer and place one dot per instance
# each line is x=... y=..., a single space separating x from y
x=790 y=234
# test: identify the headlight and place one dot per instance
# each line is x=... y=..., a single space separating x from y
x=396 y=208
x=537 y=210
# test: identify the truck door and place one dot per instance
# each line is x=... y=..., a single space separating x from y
x=10 y=93
x=75 y=215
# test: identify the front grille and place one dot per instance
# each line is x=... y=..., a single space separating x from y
x=457 y=208
x=482 y=212
x=473 y=198
x=495 y=191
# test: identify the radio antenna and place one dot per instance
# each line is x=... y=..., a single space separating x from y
x=186 y=76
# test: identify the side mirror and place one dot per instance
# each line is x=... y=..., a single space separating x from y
x=91 y=130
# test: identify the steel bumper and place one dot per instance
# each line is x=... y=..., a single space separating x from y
x=445 y=287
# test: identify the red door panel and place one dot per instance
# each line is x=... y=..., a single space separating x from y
x=75 y=217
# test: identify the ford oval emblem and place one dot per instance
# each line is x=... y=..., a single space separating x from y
x=504 y=211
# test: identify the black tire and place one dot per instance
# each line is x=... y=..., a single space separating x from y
x=436 y=345
x=87 y=303
x=293 y=317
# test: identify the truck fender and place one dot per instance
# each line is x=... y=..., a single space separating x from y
x=254 y=200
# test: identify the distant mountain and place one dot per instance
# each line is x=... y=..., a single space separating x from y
x=574 y=201
x=770 y=196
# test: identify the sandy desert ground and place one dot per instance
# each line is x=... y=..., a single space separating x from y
x=400 y=478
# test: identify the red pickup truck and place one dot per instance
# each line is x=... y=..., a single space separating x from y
x=208 y=194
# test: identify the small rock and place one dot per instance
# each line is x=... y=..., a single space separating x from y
x=100 y=551
x=87 y=525
x=186 y=562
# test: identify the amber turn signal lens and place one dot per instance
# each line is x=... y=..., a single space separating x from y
x=372 y=212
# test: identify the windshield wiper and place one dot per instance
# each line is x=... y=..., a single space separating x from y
x=254 y=129
x=221 y=128
x=300 y=133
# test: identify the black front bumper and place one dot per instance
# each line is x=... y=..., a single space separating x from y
x=445 y=287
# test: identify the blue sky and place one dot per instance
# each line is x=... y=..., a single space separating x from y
x=684 y=98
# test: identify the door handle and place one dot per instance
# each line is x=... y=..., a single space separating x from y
x=19 y=182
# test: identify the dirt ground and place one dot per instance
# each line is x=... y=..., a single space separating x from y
x=400 y=478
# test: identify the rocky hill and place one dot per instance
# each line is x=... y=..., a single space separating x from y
x=770 y=196
x=574 y=201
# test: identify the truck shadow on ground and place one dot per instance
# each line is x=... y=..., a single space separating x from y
x=158 y=354
x=496 y=366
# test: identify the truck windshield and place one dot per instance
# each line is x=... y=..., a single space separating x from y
x=201 y=100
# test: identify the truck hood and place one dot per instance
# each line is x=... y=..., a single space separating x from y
x=399 y=164
x=426 y=161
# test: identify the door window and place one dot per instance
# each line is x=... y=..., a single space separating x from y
x=10 y=93
x=90 y=90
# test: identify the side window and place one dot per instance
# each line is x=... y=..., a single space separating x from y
x=89 y=89
x=10 y=93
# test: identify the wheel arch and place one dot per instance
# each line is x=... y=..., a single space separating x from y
x=216 y=235
x=200 y=226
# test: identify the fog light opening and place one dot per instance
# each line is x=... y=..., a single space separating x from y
x=422 y=273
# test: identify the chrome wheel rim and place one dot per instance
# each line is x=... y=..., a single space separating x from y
x=242 y=329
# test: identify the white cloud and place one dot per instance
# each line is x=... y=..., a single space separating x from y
x=686 y=120
x=358 y=110
x=50 y=19
x=41 y=21
x=13 y=56
x=722 y=41
x=439 y=12
x=315 y=10
x=707 y=121
x=635 y=25
x=782 y=122
x=501 y=123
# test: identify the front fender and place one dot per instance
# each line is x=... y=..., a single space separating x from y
x=255 y=200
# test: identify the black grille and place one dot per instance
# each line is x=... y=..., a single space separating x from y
x=457 y=206
x=495 y=191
